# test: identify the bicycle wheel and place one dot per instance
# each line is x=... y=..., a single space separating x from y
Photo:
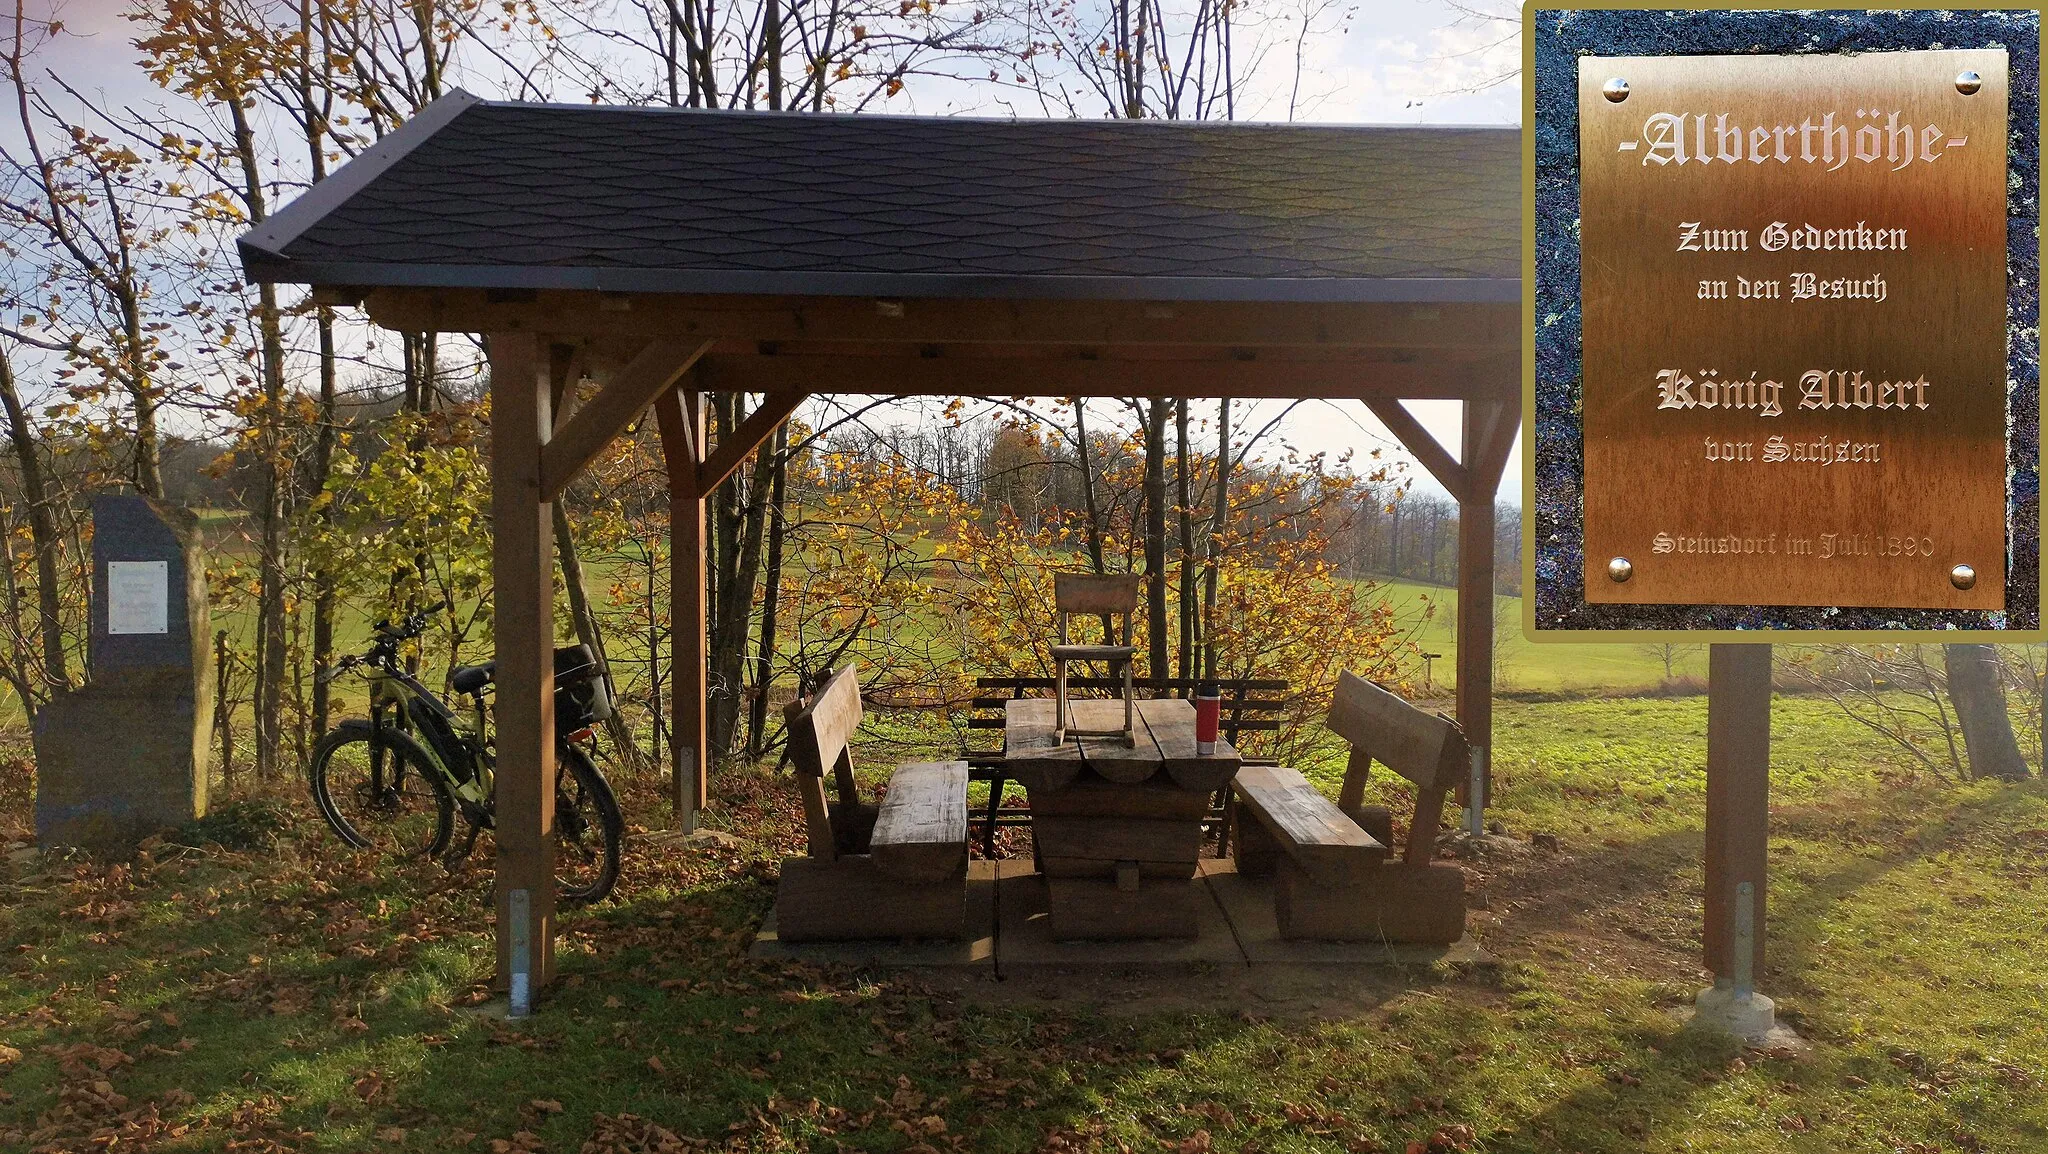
x=380 y=790
x=588 y=830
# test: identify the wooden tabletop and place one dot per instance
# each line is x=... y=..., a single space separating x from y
x=1165 y=732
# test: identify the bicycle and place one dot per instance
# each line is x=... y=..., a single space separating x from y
x=396 y=780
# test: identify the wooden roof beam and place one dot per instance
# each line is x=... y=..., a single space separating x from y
x=1449 y=325
x=994 y=376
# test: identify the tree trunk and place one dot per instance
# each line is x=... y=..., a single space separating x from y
x=1088 y=502
x=273 y=497
x=1979 y=697
x=653 y=659
x=296 y=649
x=1394 y=543
x=149 y=472
x=1219 y=519
x=20 y=673
x=1186 y=502
x=271 y=512
x=725 y=645
x=42 y=529
x=223 y=707
x=420 y=350
x=764 y=668
x=323 y=468
x=743 y=529
x=587 y=629
x=313 y=112
x=1155 y=536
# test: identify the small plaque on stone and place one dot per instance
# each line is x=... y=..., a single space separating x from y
x=138 y=597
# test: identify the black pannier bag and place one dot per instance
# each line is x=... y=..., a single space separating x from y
x=582 y=698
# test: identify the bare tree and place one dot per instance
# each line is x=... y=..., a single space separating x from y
x=43 y=538
x=1890 y=690
x=1668 y=654
x=1976 y=684
x=79 y=245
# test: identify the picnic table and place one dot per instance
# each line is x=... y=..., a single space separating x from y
x=1118 y=827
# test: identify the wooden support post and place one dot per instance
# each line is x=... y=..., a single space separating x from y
x=1738 y=807
x=522 y=562
x=1488 y=433
x=680 y=414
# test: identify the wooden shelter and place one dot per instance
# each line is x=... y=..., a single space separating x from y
x=669 y=253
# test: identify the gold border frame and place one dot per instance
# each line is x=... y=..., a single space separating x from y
x=1629 y=636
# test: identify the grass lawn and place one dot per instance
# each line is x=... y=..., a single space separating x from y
x=297 y=997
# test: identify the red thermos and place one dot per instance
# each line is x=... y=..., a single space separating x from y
x=1208 y=712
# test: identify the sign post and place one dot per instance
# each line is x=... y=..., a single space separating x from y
x=1738 y=838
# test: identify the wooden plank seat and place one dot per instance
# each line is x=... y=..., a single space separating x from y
x=1332 y=876
x=921 y=832
x=1250 y=705
x=897 y=870
x=1297 y=820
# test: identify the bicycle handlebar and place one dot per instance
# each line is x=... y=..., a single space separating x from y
x=413 y=625
x=384 y=650
x=327 y=675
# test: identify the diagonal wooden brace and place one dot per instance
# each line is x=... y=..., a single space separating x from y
x=594 y=424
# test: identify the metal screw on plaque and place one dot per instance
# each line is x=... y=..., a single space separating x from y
x=1968 y=83
x=1620 y=569
x=1616 y=90
x=1962 y=577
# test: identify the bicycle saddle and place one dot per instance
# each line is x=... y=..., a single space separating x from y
x=471 y=678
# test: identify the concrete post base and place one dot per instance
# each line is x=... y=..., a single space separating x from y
x=1751 y=1016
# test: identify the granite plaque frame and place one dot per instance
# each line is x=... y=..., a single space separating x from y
x=1611 y=440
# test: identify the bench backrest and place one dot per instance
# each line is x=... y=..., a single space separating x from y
x=1425 y=748
x=820 y=730
x=819 y=736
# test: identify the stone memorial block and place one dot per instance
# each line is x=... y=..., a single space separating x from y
x=125 y=755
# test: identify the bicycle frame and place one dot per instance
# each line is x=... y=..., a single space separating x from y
x=458 y=752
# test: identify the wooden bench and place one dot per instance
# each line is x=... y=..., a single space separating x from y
x=1250 y=705
x=1332 y=879
x=894 y=871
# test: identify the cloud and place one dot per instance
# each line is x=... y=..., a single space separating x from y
x=1421 y=63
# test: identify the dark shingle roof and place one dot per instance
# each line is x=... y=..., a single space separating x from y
x=482 y=194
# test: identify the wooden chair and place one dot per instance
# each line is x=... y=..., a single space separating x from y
x=894 y=871
x=1095 y=594
x=1332 y=879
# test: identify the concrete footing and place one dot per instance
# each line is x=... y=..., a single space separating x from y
x=1749 y=1016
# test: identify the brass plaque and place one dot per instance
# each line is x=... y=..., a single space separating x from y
x=1793 y=280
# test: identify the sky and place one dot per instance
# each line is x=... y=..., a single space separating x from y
x=1393 y=62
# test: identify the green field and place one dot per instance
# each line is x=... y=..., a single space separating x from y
x=1431 y=613
x=1426 y=614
